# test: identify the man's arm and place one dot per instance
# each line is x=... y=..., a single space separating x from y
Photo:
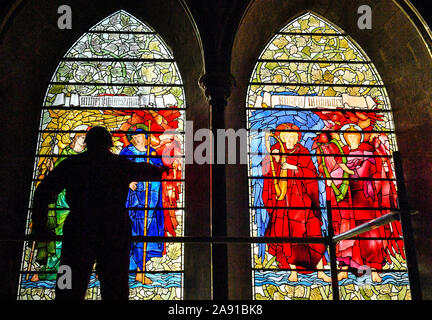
x=45 y=194
x=146 y=171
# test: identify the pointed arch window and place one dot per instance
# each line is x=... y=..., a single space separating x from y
x=321 y=139
x=120 y=75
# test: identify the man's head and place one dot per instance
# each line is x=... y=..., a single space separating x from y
x=98 y=138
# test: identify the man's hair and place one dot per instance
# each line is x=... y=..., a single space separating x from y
x=98 y=138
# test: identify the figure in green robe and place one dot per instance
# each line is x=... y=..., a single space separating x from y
x=48 y=253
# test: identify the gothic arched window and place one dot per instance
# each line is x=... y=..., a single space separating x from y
x=321 y=137
x=122 y=76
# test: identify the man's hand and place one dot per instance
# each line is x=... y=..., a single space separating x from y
x=133 y=185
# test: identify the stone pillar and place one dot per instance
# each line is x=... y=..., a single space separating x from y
x=217 y=88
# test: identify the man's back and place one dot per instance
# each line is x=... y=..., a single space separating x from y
x=96 y=193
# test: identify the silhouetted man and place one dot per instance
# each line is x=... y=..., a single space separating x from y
x=98 y=226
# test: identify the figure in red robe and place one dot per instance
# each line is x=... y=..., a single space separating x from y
x=358 y=201
x=291 y=194
x=386 y=189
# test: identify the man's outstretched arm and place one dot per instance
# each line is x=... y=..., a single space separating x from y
x=146 y=171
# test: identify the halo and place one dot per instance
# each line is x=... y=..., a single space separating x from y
x=347 y=126
x=289 y=126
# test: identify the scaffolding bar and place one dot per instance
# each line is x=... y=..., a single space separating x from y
x=365 y=227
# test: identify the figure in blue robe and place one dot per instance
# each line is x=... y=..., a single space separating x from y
x=155 y=218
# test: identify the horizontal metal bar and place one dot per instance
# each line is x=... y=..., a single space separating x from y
x=70 y=59
x=121 y=32
x=126 y=208
x=359 y=238
x=117 y=131
x=164 y=180
x=321 y=178
x=362 y=208
x=312 y=34
x=216 y=240
x=319 y=109
x=322 y=208
x=323 y=270
x=319 y=155
x=316 y=131
x=292 y=208
x=288 y=84
x=121 y=155
x=130 y=271
x=116 y=84
x=314 y=61
x=106 y=84
x=290 y=269
x=209 y=240
x=111 y=108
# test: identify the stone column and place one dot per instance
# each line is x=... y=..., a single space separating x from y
x=217 y=88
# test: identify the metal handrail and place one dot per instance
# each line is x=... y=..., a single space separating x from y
x=365 y=227
x=370 y=225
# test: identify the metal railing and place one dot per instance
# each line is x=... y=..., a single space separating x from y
x=403 y=215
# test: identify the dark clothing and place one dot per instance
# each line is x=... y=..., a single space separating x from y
x=98 y=226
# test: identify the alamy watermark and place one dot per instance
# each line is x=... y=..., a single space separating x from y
x=64 y=277
x=365 y=20
x=65 y=20
x=224 y=146
x=230 y=145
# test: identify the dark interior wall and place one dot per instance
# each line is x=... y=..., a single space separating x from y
x=401 y=56
x=31 y=46
x=225 y=37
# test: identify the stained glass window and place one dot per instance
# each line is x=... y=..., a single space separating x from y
x=120 y=75
x=321 y=132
